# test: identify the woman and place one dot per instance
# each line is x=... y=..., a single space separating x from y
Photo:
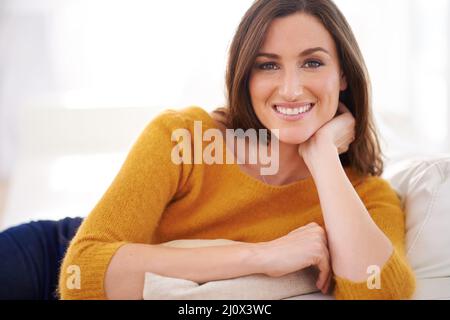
x=294 y=68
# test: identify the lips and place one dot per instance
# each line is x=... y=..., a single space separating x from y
x=293 y=111
x=293 y=105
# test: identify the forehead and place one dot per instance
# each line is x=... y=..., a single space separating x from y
x=296 y=33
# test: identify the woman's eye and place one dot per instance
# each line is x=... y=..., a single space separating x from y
x=267 y=66
x=314 y=64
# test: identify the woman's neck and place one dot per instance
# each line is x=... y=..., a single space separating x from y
x=291 y=166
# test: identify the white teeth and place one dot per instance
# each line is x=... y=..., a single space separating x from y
x=294 y=111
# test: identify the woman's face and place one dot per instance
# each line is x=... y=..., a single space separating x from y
x=297 y=69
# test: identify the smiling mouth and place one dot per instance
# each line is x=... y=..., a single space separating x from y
x=293 y=111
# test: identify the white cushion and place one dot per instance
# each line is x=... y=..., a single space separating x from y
x=251 y=287
x=423 y=184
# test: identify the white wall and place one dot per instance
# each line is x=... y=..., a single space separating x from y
x=94 y=54
x=79 y=79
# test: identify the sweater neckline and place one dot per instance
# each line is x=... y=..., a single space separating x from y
x=306 y=183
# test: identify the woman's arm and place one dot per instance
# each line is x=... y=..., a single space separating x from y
x=301 y=248
x=366 y=240
x=128 y=212
x=355 y=241
x=125 y=274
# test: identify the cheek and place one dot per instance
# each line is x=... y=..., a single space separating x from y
x=260 y=89
x=327 y=90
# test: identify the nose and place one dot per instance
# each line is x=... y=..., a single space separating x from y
x=291 y=85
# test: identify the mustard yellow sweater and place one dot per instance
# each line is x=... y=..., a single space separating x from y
x=152 y=200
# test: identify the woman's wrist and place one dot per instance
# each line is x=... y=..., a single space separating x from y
x=256 y=257
x=318 y=154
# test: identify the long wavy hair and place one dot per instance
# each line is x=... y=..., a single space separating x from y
x=364 y=154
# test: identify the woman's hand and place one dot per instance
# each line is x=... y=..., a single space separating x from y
x=339 y=132
x=301 y=248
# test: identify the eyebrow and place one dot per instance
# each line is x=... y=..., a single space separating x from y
x=302 y=54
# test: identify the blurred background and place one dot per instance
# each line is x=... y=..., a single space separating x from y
x=79 y=80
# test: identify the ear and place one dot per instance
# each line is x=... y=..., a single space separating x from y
x=343 y=82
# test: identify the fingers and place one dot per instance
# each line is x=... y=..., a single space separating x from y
x=324 y=268
x=303 y=228
x=318 y=232
x=326 y=287
x=313 y=224
x=323 y=258
x=316 y=236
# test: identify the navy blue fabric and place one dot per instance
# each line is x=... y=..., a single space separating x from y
x=30 y=258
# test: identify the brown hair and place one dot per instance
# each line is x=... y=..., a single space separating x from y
x=364 y=154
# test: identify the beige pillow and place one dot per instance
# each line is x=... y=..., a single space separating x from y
x=423 y=184
x=251 y=287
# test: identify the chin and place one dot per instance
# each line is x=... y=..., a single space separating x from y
x=293 y=136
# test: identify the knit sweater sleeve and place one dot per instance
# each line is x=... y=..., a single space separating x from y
x=128 y=212
x=397 y=280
